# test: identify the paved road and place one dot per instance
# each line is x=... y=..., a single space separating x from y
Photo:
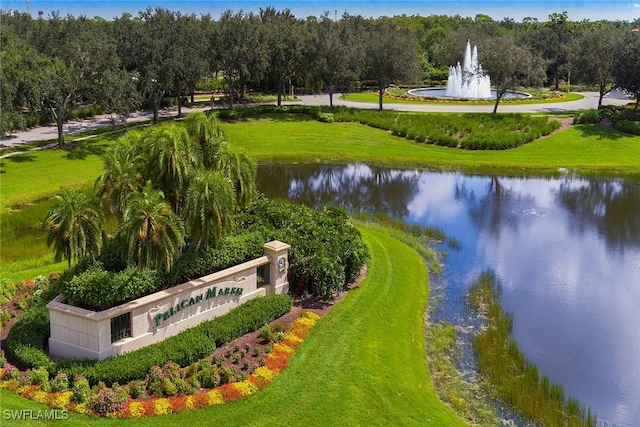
x=50 y=132
x=590 y=101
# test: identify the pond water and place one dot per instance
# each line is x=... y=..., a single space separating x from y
x=567 y=251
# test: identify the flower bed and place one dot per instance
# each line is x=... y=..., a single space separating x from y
x=175 y=389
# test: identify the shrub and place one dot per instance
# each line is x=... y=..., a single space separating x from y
x=81 y=389
x=209 y=377
x=628 y=126
x=107 y=401
x=226 y=375
x=136 y=388
x=98 y=289
x=272 y=333
x=327 y=235
x=587 y=117
x=60 y=382
x=38 y=376
x=325 y=117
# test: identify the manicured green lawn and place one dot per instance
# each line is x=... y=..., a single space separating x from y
x=591 y=149
x=363 y=364
x=371 y=97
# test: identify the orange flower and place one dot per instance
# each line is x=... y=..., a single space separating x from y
x=229 y=392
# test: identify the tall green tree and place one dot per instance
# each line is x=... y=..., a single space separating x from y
x=122 y=174
x=207 y=134
x=511 y=66
x=74 y=226
x=146 y=45
x=391 y=56
x=171 y=158
x=627 y=67
x=335 y=54
x=153 y=233
x=285 y=39
x=550 y=40
x=209 y=207
x=188 y=56
x=237 y=49
x=240 y=170
x=78 y=53
x=594 y=54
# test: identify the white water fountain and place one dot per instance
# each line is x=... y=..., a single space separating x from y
x=468 y=80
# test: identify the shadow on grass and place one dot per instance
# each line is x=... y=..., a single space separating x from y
x=80 y=151
x=21 y=158
x=600 y=132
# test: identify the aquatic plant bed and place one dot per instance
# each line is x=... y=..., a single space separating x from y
x=512 y=377
x=167 y=389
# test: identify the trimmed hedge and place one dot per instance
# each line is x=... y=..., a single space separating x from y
x=28 y=337
x=110 y=283
x=628 y=126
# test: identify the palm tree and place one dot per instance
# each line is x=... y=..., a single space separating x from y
x=121 y=176
x=74 y=226
x=206 y=132
x=209 y=205
x=154 y=234
x=241 y=170
x=171 y=158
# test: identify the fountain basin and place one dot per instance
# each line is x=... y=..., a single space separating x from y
x=441 y=93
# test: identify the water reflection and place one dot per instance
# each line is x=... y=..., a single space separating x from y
x=567 y=251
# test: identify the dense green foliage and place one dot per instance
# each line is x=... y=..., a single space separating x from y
x=326 y=253
x=513 y=378
x=52 y=66
x=28 y=337
x=98 y=289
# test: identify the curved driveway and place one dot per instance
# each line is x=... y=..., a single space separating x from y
x=589 y=102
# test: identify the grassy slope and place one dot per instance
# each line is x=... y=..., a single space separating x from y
x=363 y=364
x=590 y=148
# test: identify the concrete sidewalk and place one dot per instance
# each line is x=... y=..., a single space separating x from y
x=45 y=133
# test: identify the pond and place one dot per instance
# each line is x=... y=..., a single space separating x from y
x=567 y=251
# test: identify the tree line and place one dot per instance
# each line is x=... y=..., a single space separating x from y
x=50 y=66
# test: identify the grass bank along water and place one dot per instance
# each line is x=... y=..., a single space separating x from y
x=510 y=376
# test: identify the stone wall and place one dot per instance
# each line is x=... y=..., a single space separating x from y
x=77 y=333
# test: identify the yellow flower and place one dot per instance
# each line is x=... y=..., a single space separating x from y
x=282 y=349
x=136 y=409
x=311 y=315
x=40 y=396
x=161 y=406
x=190 y=402
x=60 y=400
x=215 y=397
x=246 y=388
x=266 y=373
x=81 y=408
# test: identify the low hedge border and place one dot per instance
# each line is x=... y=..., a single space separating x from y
x=27 y=341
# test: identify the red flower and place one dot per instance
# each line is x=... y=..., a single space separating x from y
x=229 y=392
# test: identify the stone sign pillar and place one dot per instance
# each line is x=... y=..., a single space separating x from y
x=278 y=254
